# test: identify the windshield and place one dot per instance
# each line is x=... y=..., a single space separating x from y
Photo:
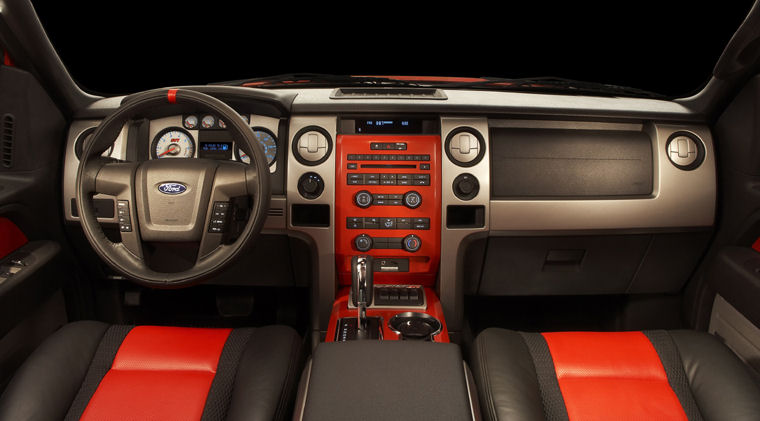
x=667 y=50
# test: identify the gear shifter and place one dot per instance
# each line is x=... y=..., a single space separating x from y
x=362 y=290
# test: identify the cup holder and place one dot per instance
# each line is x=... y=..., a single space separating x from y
x=415 y=326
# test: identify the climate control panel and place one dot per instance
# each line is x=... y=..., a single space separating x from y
x=388 y=204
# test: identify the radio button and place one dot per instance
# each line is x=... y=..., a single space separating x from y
x=363 y=199
x=372 y=223
x=412 y=200
x=363 y=242
x=411 y=243
x=388 y=223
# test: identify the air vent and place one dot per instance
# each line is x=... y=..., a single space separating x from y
x=388 y=93
x=6 y=140
x=276 y=212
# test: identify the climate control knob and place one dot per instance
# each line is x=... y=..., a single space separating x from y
x=363 y=199
x=411 y=243
x=412 y=200
x=363 y=242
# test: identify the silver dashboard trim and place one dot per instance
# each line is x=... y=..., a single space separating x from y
x=480 y=102
x=71 y=165
x=454 y=240
x=679 y=198
x=322 y=239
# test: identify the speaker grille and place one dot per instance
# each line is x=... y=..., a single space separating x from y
x=6 y=140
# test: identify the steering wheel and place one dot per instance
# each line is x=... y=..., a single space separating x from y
x=171 y=200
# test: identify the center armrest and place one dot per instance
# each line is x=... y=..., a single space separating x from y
x=386 y=380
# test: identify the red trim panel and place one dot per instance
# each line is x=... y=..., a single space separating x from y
x=159 y=373
x=612 y=376
x=340 y=310
x=7 y=61
x=756 y=245
x=423 y=264
x=11 y=237
x=172 y=96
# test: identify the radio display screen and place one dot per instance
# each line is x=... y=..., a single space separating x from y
x=388 y=126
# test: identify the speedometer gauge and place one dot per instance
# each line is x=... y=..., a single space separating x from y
x=267 y=140
x=173 y=142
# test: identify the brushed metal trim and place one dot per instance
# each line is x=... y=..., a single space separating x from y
x=453 y=240
x=679 y=198
x=479 y=102
x=71 y=164
x=739 y=333
x=422 y=306
x=303 y=392
x=322 y=239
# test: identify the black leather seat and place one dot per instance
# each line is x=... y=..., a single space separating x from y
x=652 y=375
x=93 y=371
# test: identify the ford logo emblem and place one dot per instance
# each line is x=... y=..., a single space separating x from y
x=172 y=188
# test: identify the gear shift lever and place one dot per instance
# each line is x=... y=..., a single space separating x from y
x=362 y=289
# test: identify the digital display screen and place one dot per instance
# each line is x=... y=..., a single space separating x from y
x=390 y=126
x=215 y=150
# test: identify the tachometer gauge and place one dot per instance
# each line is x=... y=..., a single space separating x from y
x=208 y=121
x=267 y=140
x=173 y=142
x=191 y=122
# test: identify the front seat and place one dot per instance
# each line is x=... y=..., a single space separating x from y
x=94 y=371
x=651 y=375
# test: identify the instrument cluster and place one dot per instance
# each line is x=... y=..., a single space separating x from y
x=212 y=142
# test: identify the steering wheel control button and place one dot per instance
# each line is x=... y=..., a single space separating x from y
x=312 y=145
x=122 y=212
x=465 y=146
x=685 y=151
x=411 y=243
x=218 y=222
x=363 y=199
x=412 y=200
x=466 y=186
x=363 y=242
x=311 y=185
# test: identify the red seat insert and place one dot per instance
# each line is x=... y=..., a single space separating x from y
x=612 y=376
x=159 y=373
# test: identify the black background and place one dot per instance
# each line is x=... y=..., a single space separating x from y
x=668 y=47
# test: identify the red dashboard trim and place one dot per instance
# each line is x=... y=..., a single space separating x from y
x=161 y=373
x=607 y=375
x=423 y=264
x=11 y=237
x=340 y=310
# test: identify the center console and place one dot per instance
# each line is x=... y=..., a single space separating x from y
x=388 y=214
x=386 y=380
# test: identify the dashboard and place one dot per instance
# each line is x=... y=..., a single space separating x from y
x=575 y=194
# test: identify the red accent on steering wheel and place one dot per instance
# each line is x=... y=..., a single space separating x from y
x=172 y=96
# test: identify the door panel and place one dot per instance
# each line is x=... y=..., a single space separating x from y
x=33 y=265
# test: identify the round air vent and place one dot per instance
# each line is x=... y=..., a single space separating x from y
x=465 y=146
x=685 y=150
x=312 y=145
